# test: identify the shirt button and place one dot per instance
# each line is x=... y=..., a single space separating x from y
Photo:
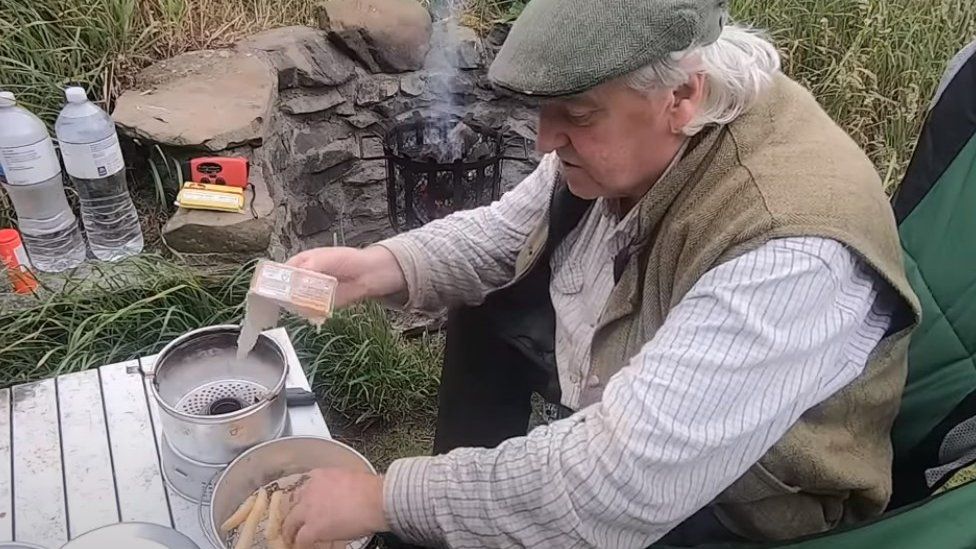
x=593 y=381
x=574 y=378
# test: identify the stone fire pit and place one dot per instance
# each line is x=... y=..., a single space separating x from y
x=304 y=105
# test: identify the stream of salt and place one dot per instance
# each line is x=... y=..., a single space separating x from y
x=260 y=314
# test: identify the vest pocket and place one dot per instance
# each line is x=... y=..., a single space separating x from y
x=758 y=483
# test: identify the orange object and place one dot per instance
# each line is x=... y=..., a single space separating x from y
x=14 y=258
x=220 y=170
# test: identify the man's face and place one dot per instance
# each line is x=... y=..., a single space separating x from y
x=613 y=141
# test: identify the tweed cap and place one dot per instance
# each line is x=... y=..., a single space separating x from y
x=564 y=47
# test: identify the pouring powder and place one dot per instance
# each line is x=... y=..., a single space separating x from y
x=260 y=314
x=276 y=286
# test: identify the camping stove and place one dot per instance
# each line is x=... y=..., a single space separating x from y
x=437 y=165
x=214 y=406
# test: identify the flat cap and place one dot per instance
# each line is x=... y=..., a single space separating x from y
x=564 y=47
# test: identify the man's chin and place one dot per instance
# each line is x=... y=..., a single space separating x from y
x=580 y=185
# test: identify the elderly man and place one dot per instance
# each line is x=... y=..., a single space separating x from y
x=703 y=275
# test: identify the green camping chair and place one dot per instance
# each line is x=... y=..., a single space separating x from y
x=934 y=436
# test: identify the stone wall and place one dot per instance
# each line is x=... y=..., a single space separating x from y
x=303 y=105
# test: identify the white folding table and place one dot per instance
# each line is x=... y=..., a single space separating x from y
x=81 y=451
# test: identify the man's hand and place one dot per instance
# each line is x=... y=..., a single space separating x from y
x=335 y=505
x=362 y=274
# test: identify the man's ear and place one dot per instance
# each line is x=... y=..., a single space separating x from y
x=686 y=100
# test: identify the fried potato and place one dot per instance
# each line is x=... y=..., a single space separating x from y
x=246 y=536
x=239 y=515
x=275 y=516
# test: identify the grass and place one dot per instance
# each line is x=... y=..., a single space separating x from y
x=355 y=361
x=873 y=64
x=101 y=44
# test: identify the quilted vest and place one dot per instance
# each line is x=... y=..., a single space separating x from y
x=783 y=169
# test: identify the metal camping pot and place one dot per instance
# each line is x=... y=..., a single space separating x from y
x=213 y=407
x=188 y=478
x=272 y=461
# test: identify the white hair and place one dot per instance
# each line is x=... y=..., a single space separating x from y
x=738 y=68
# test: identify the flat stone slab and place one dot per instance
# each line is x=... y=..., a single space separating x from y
x=303 y=56
x=245 y=233
x=213 y=100
x=305 y=102
x=383 y=35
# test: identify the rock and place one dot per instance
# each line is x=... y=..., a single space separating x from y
x=498 y=34
x=315 y=218
x=375 y=89
x=317 y=151
x=470 y=54
x=367 y=173
x=412 y=84
x=454 y=46
x=394 y=108
x=207 y=99
x=303 y=57
x=384 y=35
x=202 y=232
x=363 y=119
x=278 y=151
x=306 y=102
x=456 y=88
x=307 y=184
x=346 y=109
x=364 y=218
x=513 y=172
x=411 y=324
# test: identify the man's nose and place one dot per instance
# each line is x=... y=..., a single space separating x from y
x=551 y=137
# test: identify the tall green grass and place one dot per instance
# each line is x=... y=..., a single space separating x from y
x=101 y=44
x=356 y=361
x=873 y=64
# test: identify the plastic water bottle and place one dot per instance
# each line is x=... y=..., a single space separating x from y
x=33 y=182
x=93 y=160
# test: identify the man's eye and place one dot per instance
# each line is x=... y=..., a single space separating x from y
x=580 y=117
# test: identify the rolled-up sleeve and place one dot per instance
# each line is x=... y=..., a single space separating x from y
x=461 y=258
x=756 y=343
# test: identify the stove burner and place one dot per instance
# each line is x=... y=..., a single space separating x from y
x=224 y=406
x=437 y=166
x=221 y=397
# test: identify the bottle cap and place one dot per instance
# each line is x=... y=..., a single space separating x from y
x=14 y=260
x=9 y=237
x=76 y=94
x=7 y=99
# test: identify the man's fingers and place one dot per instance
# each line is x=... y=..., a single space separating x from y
x=301 y=261
x=305 y=538
x=293 y=520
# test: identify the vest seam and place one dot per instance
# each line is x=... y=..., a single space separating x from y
x=752 y=176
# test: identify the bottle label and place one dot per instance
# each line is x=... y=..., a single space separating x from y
x=30 y=164
x=93 y=160
x=20 y=254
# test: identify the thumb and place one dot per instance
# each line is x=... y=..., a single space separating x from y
x=301 y=261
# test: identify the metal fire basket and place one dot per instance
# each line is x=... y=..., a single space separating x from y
x=421 y=189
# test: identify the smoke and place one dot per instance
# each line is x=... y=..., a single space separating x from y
x=442 y=63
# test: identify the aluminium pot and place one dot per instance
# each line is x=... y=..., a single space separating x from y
x=212 y=406
x=273 y=460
